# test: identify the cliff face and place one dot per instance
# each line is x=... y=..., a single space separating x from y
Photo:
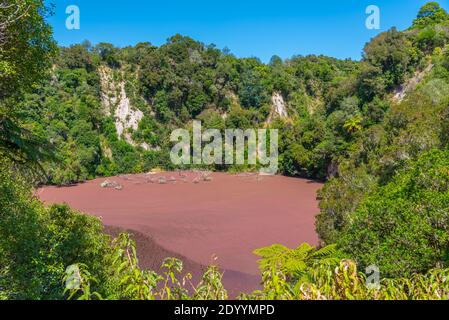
x=278 y=107
x=401 y=93
x=115 y=101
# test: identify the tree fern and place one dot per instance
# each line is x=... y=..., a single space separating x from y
x=298 y=265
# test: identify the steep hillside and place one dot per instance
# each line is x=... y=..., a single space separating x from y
x=117 y=107
x=130 y=99
x=115 y=101
x=388 y=204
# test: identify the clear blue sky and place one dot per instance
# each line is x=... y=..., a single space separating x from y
x=247 y=27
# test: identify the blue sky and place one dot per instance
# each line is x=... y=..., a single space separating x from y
x=247 y=27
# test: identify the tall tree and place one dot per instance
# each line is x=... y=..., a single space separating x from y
x=430 y=13
x=26 y=51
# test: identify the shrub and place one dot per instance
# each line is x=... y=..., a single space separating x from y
x=324 y=276
x=403 y=227
x=38 y=243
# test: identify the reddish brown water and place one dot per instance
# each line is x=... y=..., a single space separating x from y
x=228 y=217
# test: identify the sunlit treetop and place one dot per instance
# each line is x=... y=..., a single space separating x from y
x=430 y=13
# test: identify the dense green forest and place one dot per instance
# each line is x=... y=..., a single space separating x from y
x=376 y=130
x=171 y=85
x=331 y=105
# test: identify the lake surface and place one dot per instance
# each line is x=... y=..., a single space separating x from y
x=200 y=218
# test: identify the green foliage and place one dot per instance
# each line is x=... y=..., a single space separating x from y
x=26 y=49
x=393 y=54
x=346 y=283
x=37 y=243
x=26 y=44
x=69 y=117
x=353 y=124
x=108 y=54
x=172 y=85
x=304 y=273
x=381 y=151
x=430 y=13
x=402 y=227
x=331 y=102
x=300 y=264
x=331 y=278
x=126 y=281
x=55 y=252
x=77 y=57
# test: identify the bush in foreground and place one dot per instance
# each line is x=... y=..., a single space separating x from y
x=403 y=227
x=303 y=273
x=38 y=243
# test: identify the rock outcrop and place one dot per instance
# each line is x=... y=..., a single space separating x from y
x=115 y=101
x=278 y=107
x=401 y=93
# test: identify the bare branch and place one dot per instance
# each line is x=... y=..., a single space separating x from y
x=10 y=18
x=14 y=17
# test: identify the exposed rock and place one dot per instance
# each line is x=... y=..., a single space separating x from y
x=108 y=89
x=233 y=99
x=155 y=171
x=402 y=91
x=332 y=170
x=206 y=176
x=126 y=119
x=162 y=180
x=172 y=179
x=115 y=101
x=278 y=107
x=111 y=184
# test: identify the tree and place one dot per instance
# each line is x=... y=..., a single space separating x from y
x=252 y=90
x=430 y=13
x=108 y=54
x=37 y=243
x=275 y=61
x=76 y=57
x=10 y=13
x=353 y=124
x=392 y=53
x=299 y=264
x=26 y=49
x=27 y=46
x=402 y=227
